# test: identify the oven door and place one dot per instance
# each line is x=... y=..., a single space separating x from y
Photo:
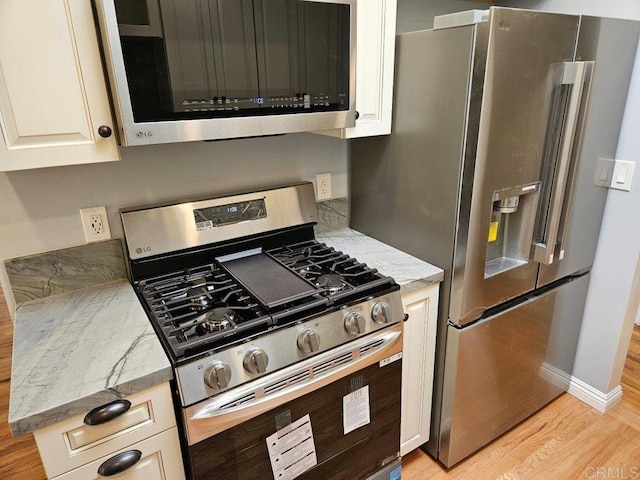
x=336 y=415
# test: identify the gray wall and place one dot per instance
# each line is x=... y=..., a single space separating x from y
x=609 y=312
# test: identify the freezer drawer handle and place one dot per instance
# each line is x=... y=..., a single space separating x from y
x=575 y=74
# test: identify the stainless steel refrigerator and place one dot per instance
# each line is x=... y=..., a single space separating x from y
x=494 y=171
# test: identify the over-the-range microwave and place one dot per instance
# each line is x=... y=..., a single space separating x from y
x=185 y=70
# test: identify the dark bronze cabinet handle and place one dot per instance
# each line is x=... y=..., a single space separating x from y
x=119 y=463
x=104 y=131
x=107 y=412
x=357 y=115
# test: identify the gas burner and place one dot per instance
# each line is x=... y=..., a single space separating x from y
x=194 y=296
x=331 y=282
x=199 y=298
x=218 y=319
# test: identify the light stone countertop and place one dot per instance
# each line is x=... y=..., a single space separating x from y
x=408 y=271
x=77 y=350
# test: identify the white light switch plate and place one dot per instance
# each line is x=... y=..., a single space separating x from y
x=604 y=171
x=622 y=175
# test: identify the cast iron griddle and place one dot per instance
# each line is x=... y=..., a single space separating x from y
x=269 y=281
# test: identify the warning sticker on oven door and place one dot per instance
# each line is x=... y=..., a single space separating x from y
x=355 y=409
x=292 y=450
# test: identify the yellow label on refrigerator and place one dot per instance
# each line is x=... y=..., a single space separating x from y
x=493 y=231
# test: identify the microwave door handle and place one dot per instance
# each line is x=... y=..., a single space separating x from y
x=575 y=74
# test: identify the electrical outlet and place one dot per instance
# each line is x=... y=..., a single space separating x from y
x=323 y=186
x=95 y=223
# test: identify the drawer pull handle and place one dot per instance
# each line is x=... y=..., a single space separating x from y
x=119 y=463
x=107 y=412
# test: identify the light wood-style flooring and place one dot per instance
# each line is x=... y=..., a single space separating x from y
x=19 y=457
x=565 y=440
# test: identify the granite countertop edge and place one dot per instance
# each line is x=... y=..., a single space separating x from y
x=39 y=420
x=408 y=271
x=130 y=359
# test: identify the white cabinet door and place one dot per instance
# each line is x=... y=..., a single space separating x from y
x=160 y=459
x=417 y=366
x=375 y=54
x=53 y=95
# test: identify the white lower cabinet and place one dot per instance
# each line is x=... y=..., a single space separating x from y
x=144 y=438
x=159 y=460
x=418 y=366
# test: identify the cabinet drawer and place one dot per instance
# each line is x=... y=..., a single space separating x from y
x=71 y=443
x=137 y=416
x=160 y=459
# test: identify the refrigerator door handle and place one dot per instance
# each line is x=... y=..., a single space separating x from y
x=574 y=74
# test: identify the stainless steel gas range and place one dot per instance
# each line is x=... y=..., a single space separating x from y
x=286 y=352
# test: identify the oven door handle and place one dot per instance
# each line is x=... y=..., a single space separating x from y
x=227 y=410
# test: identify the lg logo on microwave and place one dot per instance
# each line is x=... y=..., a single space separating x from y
x=141 y=134
x=143 y=250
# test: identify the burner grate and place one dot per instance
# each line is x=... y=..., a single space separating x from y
x=209 y=306
x=337 y=273
x=183 y=305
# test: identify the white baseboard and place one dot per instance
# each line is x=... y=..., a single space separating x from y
x=582 y=391
x=555 y=376
x=595 y=398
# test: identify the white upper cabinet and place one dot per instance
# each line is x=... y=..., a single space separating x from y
x=53 y=95
x=375 y=50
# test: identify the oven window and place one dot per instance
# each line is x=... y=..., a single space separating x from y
x=240 y=453
x=225 y=58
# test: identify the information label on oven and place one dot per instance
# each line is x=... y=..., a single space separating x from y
x=292 y=450
x=355 y=409
x=390 y=359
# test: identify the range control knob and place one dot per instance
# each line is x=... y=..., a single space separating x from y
x=381 y=313
x=308 y=340
x=256 y=361
x=217 y=375
x=354 y=323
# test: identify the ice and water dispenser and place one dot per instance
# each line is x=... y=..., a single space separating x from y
x=510 y=234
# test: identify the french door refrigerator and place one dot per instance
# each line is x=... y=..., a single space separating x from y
x=495 y=171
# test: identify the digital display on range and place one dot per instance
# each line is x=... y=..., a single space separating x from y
x=212 y=217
